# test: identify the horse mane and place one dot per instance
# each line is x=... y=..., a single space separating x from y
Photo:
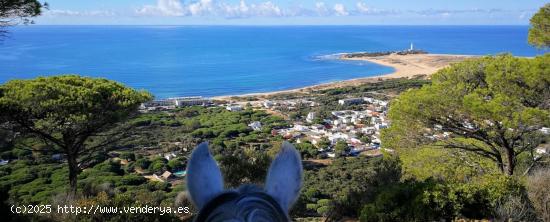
x=248 y=203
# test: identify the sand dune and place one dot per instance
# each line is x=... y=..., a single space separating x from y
x=413 y=64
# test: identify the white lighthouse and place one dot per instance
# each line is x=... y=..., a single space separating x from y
x=412 y=47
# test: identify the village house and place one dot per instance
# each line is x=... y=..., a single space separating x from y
x=311 y=117
x=169 y=156
x=256 y=125
x=234 y=108
x=344 y=125
x=268 y=104
x=351 y=101
x=190 y=101
x=157 y=105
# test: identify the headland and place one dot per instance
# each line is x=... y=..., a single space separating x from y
x=405 y=65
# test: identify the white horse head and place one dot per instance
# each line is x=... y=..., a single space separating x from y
x=248 y=203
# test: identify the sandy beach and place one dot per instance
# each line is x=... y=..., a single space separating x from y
x=405 y=66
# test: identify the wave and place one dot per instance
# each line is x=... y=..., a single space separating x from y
x=334 y=56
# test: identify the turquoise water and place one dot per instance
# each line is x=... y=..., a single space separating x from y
x=180 y=173
x=225 y=60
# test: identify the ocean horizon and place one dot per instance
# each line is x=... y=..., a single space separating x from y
x=172 y=61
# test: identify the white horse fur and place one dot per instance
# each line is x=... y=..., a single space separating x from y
x=248 y=203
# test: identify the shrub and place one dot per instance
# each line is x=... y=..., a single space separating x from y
x=538 y=190
x=143 y=163
x=132 y=179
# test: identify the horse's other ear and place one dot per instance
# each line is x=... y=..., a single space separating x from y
x=204 y=179
x=284 y=178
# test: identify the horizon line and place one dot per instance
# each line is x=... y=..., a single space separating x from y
x=359 y=25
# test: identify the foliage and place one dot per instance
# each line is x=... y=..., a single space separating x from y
x=323 y=143
x=400 y=202
x=437 y=183
x=158 y=165
x=143 y=163
x=176 y=163
x=127 y=200
x=341 y=148
x=132 y=180
x=128 y=156
x=449 y=165
x=399 y=85
x=347 y=183
x=515 y=208
x=307 y=150
x=431 y=200
x=539 y=33
x=13 y=12
x=25 y=184
x=69 y=111
x=537 y=188
x=244 y=166
x=492 y=106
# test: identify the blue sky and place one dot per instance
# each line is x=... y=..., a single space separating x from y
x=289 y=12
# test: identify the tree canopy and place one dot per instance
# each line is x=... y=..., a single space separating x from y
x=18 y=11
x=67 y=111
x=493 y=107
x=539 y=33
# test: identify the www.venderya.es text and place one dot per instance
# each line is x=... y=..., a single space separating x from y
x=97 y=209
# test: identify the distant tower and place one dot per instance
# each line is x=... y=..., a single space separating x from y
x=412 y=47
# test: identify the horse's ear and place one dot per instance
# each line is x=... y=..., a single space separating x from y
x=284 y=178
x=204 y=179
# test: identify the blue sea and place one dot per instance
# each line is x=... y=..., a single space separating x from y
x=227 y=60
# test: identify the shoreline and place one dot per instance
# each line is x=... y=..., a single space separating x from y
x=405 y=66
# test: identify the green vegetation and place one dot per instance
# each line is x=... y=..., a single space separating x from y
x=375 y=54
x=340 y=148
x=539 y=33
x=68 y=113
x=327 y=99
x=537 y=187
x=493 y=107
x=307 y=150
x=34 y=177
x=427 y=176
x=13 y=12
x=346 y=185
x=395 y=85
x=431 y=200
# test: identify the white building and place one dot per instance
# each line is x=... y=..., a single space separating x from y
x=268 y=104
x=368 y=100
x=317 y=127
x=157 y=104
x=190 y=101
x=352 y=101
x=382 y=103
x=300 y=128
x=234 y=108
x=380 y=126
x=256 y=125
x=310 y=117
x=338 y=136
x=368 y=130
x=170 y=156
x=542 y=151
